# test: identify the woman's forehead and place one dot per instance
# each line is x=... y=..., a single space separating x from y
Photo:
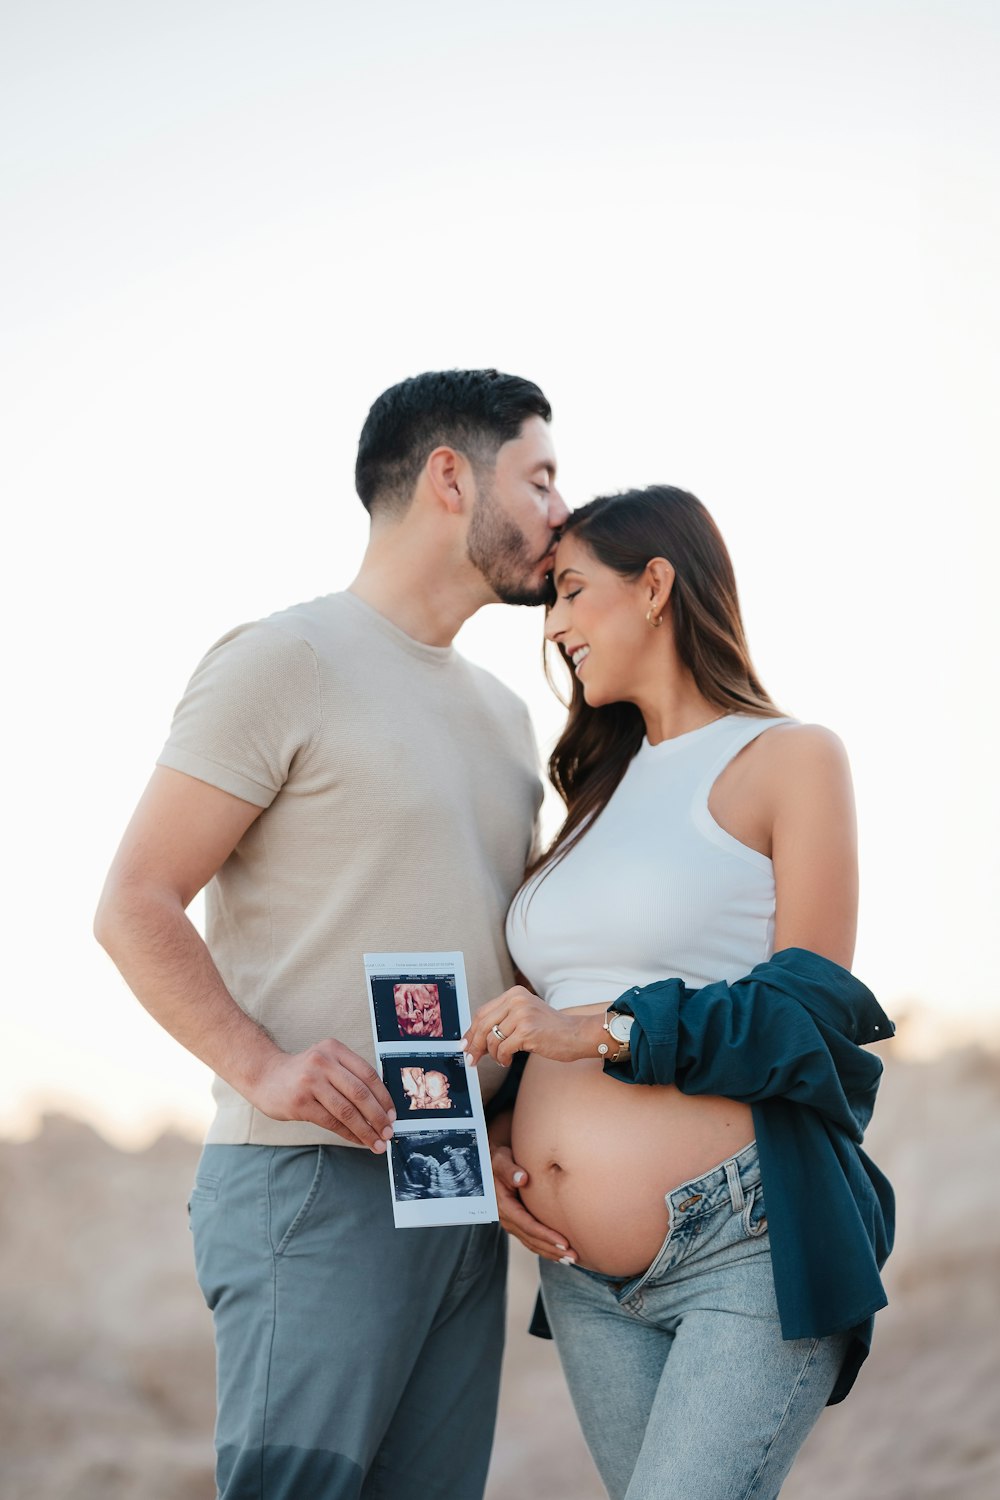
x=571 y=553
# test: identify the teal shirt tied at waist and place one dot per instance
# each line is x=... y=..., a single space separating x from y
x=788 y=1040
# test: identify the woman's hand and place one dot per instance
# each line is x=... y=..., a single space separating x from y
x=509 y=1178
x=520 y=1022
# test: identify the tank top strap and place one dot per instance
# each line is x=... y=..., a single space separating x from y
x=740 y=730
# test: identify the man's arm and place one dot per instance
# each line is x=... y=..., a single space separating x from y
x=181 y=833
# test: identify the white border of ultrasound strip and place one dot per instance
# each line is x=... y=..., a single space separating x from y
x=422 y=1213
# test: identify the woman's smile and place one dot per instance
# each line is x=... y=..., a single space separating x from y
x=593 y=598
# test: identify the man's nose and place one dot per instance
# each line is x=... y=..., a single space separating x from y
x=558 y=510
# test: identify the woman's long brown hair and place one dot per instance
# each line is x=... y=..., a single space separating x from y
x=624 y=532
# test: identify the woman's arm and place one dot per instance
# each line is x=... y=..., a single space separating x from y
x=807 y=783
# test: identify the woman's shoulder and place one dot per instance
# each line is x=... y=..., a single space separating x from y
x=794 y=739
x=791 y=753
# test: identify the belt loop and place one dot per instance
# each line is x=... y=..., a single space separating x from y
x=735 y=1186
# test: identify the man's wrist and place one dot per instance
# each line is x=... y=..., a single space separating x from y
x=257 y=1056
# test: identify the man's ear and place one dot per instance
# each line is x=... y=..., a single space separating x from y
x=449 y=475
x=658 y=583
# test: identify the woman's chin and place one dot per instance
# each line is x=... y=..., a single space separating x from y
x=593 y=697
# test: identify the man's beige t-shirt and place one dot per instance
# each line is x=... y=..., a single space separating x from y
x=400 y=790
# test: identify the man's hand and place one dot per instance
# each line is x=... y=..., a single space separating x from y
x=328 y=1085
x=182 y=832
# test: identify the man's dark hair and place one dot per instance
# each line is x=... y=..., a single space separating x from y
x=474 y=411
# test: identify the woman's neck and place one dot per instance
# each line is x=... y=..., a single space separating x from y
x=676 y=708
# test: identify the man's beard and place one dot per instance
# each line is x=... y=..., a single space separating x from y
x=501 y=552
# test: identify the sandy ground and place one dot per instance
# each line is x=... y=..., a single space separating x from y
x=106 y=1379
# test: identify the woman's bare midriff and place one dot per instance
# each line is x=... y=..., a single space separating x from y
x=601 y=1155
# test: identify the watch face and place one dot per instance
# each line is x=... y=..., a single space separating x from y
x=620 y=1027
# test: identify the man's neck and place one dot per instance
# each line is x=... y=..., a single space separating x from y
x=412 y=585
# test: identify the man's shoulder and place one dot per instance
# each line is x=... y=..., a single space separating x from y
x=493 y=690
x=316 y=623
x=310 y=619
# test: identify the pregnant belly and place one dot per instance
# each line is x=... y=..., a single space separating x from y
x=601 y=1155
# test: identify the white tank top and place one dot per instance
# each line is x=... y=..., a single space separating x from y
x=654 y=888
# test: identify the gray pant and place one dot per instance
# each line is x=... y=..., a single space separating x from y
x=355 y=1361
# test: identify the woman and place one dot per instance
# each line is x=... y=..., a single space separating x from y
x=704 y=832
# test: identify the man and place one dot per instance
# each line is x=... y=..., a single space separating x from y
x=345 y=782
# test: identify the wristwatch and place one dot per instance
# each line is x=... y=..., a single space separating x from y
x=619 y=1028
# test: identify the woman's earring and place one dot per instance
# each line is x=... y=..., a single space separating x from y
x=649 y=617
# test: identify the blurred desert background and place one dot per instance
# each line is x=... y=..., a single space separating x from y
x=747 y=249
x=106 y=1383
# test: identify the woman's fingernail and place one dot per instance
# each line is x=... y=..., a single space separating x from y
x=560 y=1247
x=464 y=1043
x=387 y=1133
x=391 y=1114
x=567 y=1260
x=520 y=1177
x=378 y=1147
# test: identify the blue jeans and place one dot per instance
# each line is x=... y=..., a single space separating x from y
x=680 y=1377
x=356 y=1361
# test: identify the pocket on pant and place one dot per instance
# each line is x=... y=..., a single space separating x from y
x=754 y=1213
x=206 y=1188
x=293 y=1182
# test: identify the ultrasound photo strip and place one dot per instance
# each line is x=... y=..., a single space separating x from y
x=439 y=1157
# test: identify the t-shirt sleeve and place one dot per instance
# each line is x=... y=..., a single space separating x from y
x=252 y=705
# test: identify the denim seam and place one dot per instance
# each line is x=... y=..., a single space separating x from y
x=737 y=1195
x=653 y=1267
x=806 y=1363
x=761 y=1229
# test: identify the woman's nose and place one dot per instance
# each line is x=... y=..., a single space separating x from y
x=554 y=627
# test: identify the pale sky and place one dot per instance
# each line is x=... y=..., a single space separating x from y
x=747 y=249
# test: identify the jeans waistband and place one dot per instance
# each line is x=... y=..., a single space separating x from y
x=725 y=1185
